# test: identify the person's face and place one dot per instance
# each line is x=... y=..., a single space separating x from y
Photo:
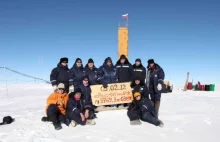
x=64 y=63
x=122 y=61
x=137 y=63
x=90 y=65
x=78 y=95
x=109 y=62
x=152 y=64
x=137 y=81
x=79 y=63
x=85 y=81
x=60 y=91
x=138 y=98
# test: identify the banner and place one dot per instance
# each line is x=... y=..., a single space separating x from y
x=118 y=93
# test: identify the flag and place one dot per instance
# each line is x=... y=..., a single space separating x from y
x=125 y=16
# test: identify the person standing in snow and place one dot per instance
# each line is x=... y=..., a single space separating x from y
x=80 y=111
x=56 y=108
x=155 y=83
x=60 y=74
x=123 y=69
x=76 y=74
x=138 y=85
x=142 y=109
x=139 y=70
x=107 y=73
x=92 y=72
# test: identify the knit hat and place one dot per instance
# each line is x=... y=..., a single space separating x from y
x=137 y=78
x=123 y=56
x=138 y=60
x=150 y=61
x=61 y=86
x=90 y=60
x=78 y=59
x=77 y=90
x=136 y=94
x=85 y=77
x=64 y=59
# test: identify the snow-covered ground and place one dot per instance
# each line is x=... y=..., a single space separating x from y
x=188 y=117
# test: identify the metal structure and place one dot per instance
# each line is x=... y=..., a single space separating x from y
x=123 y=37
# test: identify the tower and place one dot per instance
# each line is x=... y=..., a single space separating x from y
x=123 y=37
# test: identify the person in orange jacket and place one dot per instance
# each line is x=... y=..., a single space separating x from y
x=56 y=107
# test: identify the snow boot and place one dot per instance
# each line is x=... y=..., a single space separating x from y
x=90 y=122
x=57 y=126
x=45 y=119
x=135 y=122
x=157 y=106
x=161 y=124
x=73 y=123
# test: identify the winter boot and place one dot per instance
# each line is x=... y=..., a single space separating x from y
x=45 y=119
x=161 y=124
x=57 y=126
x=157 y=106
x=73 y=123
x=90 y=122
x=135 y=122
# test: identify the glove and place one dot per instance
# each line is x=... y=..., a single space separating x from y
x=105 y=85
x=55 y=88
x=60 y=103
x=159 y=87
x=71 y=88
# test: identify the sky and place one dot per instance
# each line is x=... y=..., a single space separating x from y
x=180 y=35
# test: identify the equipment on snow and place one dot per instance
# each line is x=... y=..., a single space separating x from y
x=7 y=120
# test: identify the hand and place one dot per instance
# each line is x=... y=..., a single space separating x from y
x=55 y=88
x=105 y=85
x=60 y=103
x=87 y=114
x=71 y=88
x=159 y=87
x=82 y=117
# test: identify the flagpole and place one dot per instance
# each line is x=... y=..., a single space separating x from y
x=127 y=21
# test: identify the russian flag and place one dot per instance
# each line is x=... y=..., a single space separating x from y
x=125 y=16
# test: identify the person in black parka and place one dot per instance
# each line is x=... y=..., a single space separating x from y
x=142 y=109
x=60 y=74
x=107 y=73
x=76 y=74
x=79 y=111
x=124 y=69
x=138 y=85
x=155 y=83
x=139 y=70
x=91 y=72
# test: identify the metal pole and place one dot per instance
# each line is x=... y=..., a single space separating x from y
x=6 y=81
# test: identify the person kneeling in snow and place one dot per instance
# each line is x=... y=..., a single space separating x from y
x=80 y=111
x=142 y=109
x=56 y=107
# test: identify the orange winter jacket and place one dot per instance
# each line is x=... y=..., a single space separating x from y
x=54 y=98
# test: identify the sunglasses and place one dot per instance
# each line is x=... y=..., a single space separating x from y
x=60 y=89
x=64 y=62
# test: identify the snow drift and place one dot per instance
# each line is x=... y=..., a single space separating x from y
x=188 y=116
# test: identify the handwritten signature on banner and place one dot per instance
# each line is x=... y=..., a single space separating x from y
x=118 y=93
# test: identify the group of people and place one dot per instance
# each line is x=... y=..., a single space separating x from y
x=71 y=102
